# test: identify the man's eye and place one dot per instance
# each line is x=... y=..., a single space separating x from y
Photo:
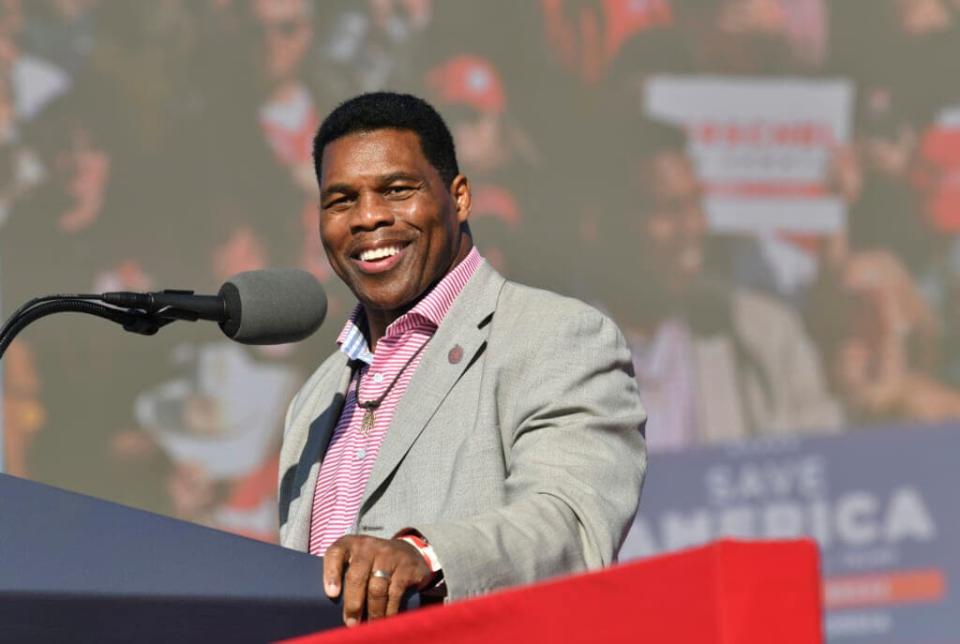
x=334 y=204
x=399 y=190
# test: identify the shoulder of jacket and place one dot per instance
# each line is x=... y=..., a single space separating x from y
x=762 y=320
x=524 y=303
x=762 y=308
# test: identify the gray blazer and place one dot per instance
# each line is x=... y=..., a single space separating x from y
x=522 y=460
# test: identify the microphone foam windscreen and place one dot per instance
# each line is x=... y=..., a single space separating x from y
x=273 y=306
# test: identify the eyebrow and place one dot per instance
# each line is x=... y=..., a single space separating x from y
x=399 y=176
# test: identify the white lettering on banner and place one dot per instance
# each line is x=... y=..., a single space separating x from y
x=908 y=517
x=857 y=519
x=820 y=521
x=858 y=624
x=783 y=520
x=870 y=558
x=804 y=477
x=737 y=522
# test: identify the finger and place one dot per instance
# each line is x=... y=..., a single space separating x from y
x=398 y=586
x=333 y=562
x=405 y=577
x=378 y=591
x=355 y=583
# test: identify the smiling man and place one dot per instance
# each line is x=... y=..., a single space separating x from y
x=470 y=433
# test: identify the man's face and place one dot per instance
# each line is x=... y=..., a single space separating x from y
x=390 y=225
x=674 y=225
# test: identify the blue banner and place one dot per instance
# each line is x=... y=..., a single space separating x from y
x=881 y=502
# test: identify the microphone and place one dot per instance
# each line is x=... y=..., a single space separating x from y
x=270 y=306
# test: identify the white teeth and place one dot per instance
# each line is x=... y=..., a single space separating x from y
x=379 y=253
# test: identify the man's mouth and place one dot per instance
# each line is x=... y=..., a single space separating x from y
x=377 y=254
x=381 y=258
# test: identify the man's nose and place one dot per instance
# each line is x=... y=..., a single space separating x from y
x=371 y=213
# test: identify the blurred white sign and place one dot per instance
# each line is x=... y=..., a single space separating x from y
x=762 y=147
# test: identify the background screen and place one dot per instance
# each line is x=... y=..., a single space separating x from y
x=787 y=275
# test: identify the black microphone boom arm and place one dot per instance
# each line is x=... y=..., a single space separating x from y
x=131 y=320
x=269 y=306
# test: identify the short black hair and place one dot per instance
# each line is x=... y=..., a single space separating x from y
x=635 y=142
x=390 y=110
x=650 y=137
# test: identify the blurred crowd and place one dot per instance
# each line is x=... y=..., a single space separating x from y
x=166 y=144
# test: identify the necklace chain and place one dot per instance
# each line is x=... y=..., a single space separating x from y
x=370 y=406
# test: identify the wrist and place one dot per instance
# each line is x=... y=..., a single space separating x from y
x=424 y=548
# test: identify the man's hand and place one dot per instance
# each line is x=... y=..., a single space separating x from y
x=398 y=566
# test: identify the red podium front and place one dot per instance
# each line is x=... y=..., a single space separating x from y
x=729 y=592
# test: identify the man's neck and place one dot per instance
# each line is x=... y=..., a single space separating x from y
x=377 y=323
x=378 y=319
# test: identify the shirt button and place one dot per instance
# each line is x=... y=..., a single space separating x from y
x=378 y=378
x=361 y=454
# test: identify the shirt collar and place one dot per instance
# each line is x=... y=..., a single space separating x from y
x=432 y=309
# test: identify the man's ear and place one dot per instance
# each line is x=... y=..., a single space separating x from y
x=460 y=191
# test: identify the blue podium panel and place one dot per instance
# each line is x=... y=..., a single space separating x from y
x=75 y=568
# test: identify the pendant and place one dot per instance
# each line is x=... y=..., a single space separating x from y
x=367 y=423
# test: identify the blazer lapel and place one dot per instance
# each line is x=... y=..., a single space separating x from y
x=319 y=421
x=465 y=325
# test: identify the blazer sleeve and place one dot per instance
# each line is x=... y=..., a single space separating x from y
x=572 y=428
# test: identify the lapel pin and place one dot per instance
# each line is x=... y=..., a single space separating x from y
x=455 y=355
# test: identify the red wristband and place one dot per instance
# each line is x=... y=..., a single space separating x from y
x=426 y=551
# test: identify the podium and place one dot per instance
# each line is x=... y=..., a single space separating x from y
x=77 y=569
x=727 y=592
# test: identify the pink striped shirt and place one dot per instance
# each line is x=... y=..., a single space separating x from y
x=351 y=454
